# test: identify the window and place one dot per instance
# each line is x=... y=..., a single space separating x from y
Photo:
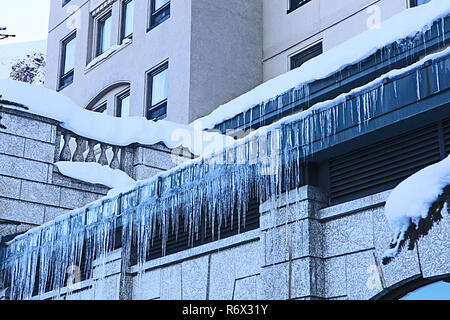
x=157 y=84
x=123 y=104
x=67 y=61
x=295 y=4
x=434 y=291
x=160 y=11
x=127 y=20
x=415 y=3
x=103 y=33
x=65 y=2
x=305 y=55
x=102 y=108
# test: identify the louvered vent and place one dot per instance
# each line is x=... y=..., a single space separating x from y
x=446 y=131
x=383 y=165
x=180 y=242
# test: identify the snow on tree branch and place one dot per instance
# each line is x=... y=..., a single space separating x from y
x=415 y=205
x=31 y=69
x=4 y=36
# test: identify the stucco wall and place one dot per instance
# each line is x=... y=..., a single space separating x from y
x=323 y=21
x=214 y=57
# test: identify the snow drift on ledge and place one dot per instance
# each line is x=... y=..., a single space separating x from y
x=95 y=173
x=415 y=205
x=403 y=25
x=109 y=129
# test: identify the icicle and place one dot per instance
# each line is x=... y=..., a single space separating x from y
x=418 y=84
x=436 y=68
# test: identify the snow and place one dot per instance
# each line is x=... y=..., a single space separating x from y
x=405 y=24
x=411 y=200
x=109 y=129
x=92 y=172
x=112 y=50
x=321 y=106
x=11 y=53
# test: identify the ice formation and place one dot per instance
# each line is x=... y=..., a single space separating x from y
x=261 y=165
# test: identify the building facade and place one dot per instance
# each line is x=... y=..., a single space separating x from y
x=179 y=60
x=154 y=58
x=322 y=233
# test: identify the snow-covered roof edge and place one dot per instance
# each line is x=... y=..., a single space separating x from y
x=108 y=129
x=403 y=25
x=301 y=115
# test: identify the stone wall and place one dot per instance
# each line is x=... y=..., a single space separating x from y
x=33 y=191
x=302 y=250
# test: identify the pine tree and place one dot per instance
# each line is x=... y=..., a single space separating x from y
x=30 y=69
x=4 y=36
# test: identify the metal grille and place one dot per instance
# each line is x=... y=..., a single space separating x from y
x=180 y=242
x=383 y=165
x=446 y=132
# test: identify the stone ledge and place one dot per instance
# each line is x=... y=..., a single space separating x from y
x=212 y=247
x=354 y=206
x=304 y=193
x=67 y=182
x=28 y=115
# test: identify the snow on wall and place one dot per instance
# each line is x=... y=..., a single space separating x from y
x=112 y=50
x=95 y=173
x=405 y=24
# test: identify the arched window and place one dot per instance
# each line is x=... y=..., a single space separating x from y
x=439 y=290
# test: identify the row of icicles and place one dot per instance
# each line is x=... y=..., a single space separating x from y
x=212 y=191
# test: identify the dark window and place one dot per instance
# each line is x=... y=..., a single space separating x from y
x=305 y=55
x=67 y=61
x=157 y=93
x=127 y=19
x=384 y=165
x=123 y=104
x=103 y=33
x=160 y=11
x=415 y=3
x=295 y=4
x=65 y=2
x=102 y=108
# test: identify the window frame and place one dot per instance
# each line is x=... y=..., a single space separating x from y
x=99 y=34
x=292 y=8
x=415 y=3
x=155 y=19
x=149 y=108
x=65 y=78
x=123 y=9
x=102 y=107
x=118 y=101
x=306 y=54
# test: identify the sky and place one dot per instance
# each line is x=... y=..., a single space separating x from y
x=27 y=19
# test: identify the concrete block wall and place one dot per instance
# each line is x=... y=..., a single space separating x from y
x=303 y=250
x=33 y=191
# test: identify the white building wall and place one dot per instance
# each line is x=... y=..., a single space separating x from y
x=329 y=21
